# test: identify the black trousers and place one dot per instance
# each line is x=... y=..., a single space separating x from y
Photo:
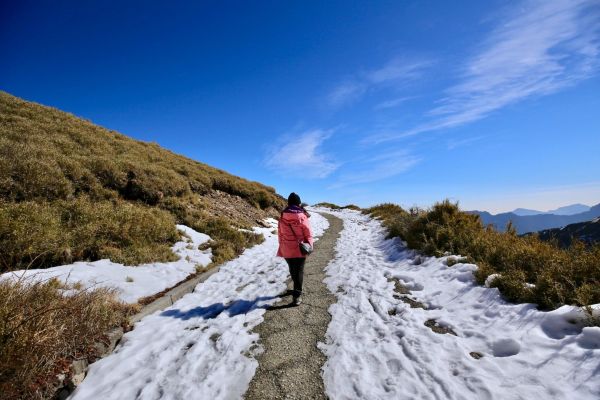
x=296 y=266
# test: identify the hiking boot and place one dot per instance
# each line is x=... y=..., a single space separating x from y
x=297 y=301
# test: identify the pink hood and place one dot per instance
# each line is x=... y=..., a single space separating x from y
x=293 y=228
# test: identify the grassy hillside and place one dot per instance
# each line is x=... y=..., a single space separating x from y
x=529 y=269
x=71 y=190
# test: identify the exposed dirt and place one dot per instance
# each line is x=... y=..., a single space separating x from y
x=434 y=326
x=223 y=204
x=399 y=287
x=402 y=293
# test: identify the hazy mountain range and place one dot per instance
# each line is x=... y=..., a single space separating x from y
x=566 y=210
x=539 y=222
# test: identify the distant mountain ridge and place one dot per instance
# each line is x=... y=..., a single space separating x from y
x=571 y=209
x=523 y=212
x=537 y=222
x=588 y=232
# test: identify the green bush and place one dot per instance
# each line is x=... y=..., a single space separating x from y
x=530 y=270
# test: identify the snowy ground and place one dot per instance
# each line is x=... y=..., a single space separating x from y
x=202 y=346
x=379 y=348
x=131 y=283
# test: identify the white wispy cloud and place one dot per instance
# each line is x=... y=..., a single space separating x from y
x=396 y=72
x=346 y=93
x=392 y=102
x=302 y=155
x=379 y=167
x=540 y=48
x=455 y=143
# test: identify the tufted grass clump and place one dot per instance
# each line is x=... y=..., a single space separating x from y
x=228 y=242
x=42 y=330
x=530 y=270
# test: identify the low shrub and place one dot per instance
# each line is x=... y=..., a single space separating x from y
x=336 y=207
x=50 y=233
x=228 y=241
x=328 y=205
x=530 y=270
x=42 y=330
x=395 y=218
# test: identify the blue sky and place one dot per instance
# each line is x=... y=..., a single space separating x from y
x=495 y=104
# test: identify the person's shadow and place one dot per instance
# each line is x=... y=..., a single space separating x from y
x=232 y=309
x=282 y=306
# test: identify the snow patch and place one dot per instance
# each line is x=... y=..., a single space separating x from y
x=590 y=337
x=490 y=279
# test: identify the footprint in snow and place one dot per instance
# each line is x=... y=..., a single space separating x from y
x=505 y=348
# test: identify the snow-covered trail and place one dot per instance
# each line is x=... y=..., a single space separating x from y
x=378 y=347
x=202 y=346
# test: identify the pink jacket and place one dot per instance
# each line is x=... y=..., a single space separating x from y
x=293 y=218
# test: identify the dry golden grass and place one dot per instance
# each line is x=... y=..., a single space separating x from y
x=43 y=329
x=62 y=231
x=531 y=270
x=336 y=207
x=71 y=190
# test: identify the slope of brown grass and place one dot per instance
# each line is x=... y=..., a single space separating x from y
x=71 y=190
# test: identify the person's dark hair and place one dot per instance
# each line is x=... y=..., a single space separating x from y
x=294 y=199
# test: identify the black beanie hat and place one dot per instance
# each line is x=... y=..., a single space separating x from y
x=293 y=199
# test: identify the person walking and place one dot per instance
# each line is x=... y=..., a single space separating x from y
x=294 y=230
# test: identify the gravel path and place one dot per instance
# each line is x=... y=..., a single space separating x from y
x=290 y=367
